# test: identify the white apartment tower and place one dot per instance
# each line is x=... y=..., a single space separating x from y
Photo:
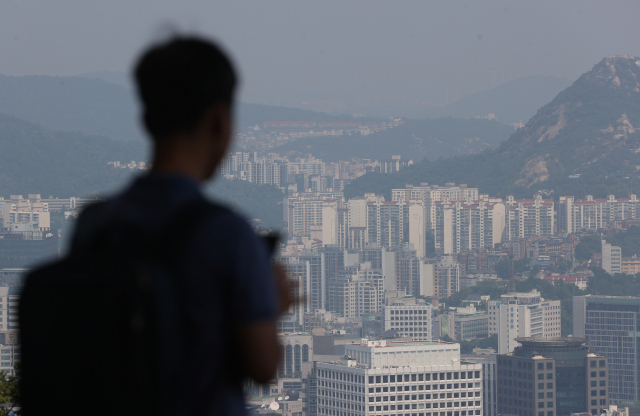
x=592 y=214
x=523 y=315
x=529 y=217
x=611 y=258
x=465 y=225
x=434 y=193
x=399 y=378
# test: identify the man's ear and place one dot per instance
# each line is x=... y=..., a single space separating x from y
x=218 y=121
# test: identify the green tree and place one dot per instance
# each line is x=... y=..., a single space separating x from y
x=9 y=391
x=466 y=347
x=587 y=246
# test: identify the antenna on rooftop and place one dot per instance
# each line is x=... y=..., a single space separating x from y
x=511 y=286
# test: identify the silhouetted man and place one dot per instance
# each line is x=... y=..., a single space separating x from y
x=232 y=295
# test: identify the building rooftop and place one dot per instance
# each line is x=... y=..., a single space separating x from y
x=551 y=342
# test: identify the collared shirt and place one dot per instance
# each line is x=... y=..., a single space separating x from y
x=226 y=281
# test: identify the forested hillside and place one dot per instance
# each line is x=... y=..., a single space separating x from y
x=415 y=139
x=34 y=160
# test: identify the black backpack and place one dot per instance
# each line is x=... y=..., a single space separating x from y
x=101 y=330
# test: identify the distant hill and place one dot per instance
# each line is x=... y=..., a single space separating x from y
x=34 y=160
x=589 y=129
x=514 y=101
x=255 y=202
x=100 y=103
x=83 y=105
x=416 y=139
x=248 y=114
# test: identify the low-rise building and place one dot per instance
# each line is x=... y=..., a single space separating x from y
x=465 y=324
x=579 y=281
x=631 y=265
x=410 y=317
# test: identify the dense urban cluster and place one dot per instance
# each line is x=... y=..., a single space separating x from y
x=375 y=334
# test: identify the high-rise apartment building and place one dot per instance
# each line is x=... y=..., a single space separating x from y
x=610 y=323
x=467 y=225
x=392 y=378
x=552 y=377
x=593 y=214
x=303 y=212
x=432 y=194
x=611 y=258
x=440 y=279
x=529 y=217
x=358 y=290
x=522 y=315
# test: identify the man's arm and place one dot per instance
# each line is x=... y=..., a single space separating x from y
x=259 y=350
x=259 y=346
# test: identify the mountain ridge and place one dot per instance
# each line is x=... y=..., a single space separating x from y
x=585 y=140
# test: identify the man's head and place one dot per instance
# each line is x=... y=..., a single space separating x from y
x=186 y=86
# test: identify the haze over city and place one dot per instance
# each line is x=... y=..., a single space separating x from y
x=360 y=208
x=358 y=52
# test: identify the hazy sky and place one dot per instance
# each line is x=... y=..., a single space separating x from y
x=358 y=51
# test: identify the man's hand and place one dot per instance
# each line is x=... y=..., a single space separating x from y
x=285 y=288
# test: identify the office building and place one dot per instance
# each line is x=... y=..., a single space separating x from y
x=465 y=323
x=19 y=211
x=489 y=364
x=523 y=315
x=611 y=258
x=552 y=377
x=610 y=325
x=295 y=350
x=392 y=378
x=410 y=317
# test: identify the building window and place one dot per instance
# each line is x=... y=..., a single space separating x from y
x=603 y=392
x=601 y=363
x=594 y=392
x=603 y=383
x=549 y=376
x=541 y=367
x=593 y=364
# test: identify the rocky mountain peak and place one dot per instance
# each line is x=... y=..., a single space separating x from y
x=620 y=72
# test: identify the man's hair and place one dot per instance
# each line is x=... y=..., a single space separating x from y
x=179 y=80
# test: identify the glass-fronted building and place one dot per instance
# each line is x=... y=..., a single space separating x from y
x=611 y=325
x=552 y=377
